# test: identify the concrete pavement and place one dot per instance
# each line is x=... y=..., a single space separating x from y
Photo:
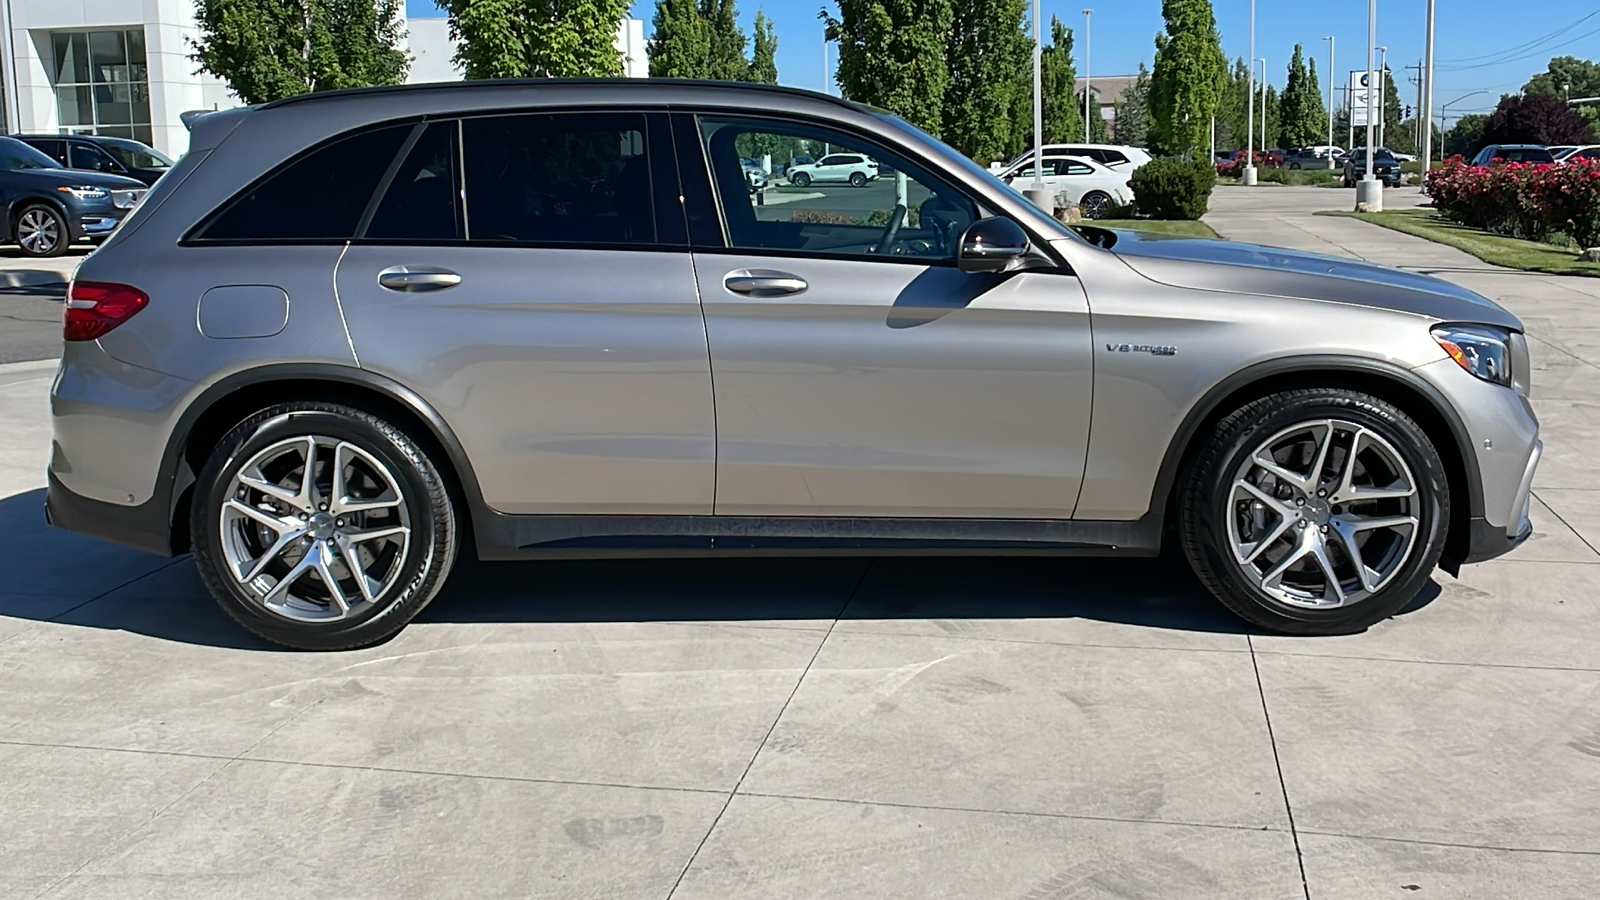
x=922 y=728
x=31 y=292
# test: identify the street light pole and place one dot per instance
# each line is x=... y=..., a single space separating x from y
x=1369 y=192
x=1329 y=39
x=1088 y=130
x=1038 y=102
x=1250 y=106
x=1425 y=114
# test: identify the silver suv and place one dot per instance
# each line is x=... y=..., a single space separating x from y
x=352 y=335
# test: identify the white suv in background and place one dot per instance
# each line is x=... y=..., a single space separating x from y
x=835 y=168
x=1084 y=183
x=1115 y=156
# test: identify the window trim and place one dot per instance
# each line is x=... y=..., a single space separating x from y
x=690 y=116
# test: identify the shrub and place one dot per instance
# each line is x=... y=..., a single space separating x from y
x=1522 y=200
x=1173 y=188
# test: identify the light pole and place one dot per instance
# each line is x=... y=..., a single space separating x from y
x=1250 y=106
x=1038 y=104
x=1425 y=114
x=1088 y=130
x=1383 y=91
x=1444 y=111
x=1369 y=192
x=1329 y=39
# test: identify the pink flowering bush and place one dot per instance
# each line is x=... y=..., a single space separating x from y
x=1524 y=200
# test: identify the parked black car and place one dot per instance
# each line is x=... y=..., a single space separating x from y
x=49 y=207
x=1518 y=153
x=112 y=155
x=1385 y=167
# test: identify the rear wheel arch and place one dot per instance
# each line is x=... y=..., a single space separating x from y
x=235 y=399
x=1413 y=396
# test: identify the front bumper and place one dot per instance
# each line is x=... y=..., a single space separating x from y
x=1487 y=541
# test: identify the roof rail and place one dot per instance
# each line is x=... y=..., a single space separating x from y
x=555 y=82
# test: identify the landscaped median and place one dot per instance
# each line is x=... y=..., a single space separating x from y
x=1497 y=249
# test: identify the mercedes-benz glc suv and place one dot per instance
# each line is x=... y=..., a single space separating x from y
x=354 y=335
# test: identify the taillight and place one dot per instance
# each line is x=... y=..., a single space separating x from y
x=96 y=307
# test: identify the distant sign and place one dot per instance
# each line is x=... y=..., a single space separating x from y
x=1358 y=98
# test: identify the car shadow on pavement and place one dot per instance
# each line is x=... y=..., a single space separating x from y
x=140 y=593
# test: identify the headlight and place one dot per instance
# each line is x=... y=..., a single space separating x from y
x=85 y=192
x=126 y=199
x=1479 y=349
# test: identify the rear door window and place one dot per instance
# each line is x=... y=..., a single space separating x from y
x=55 y=149
x=319 y=196
x=423 y=199
x=84 y=155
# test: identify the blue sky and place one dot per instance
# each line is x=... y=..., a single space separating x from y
x=1479 y=45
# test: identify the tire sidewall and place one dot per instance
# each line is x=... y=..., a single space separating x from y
x=62 y=228
x=801 y=179
x=1209 y=527
x=423 y=554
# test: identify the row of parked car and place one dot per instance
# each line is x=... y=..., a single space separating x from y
x=60 y=189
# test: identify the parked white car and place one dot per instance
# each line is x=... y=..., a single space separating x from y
x=835 y=168
x=1116 y=156
x=1568 y=154
x=1094 y=188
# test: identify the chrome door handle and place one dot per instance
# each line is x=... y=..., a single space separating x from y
x=763 y=283
x=417 y=279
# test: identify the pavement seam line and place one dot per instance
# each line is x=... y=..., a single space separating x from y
x=1277 y=763
x=1084 y=645
x=97 y=597
x=1433 y=662
x=1490 y=848
x=1562 y=520
x=770 y=729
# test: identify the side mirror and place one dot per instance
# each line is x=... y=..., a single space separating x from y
x=992 y=245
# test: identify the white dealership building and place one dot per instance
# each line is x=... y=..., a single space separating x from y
x=122 y=67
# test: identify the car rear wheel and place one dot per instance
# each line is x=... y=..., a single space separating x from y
x=1095 y=205
x=322 y=527
x=800 y=179
x=858 y=180
x=41 y=231
x=1318 y=511
x=1294 y=166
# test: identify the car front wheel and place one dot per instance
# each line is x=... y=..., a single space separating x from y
x=800 y=179
x=857 y=179
x=1318 y=511
x=321 y=527
x=41 y=231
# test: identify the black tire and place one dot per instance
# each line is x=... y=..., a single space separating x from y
x=44 y=229
x=1294 y=166
x=1205 y=509
x=429 y=513
x=800 y=180
x=1095 y=204
x=858 y=180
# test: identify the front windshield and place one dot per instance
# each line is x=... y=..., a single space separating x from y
x=14 y=154
x=135 y=155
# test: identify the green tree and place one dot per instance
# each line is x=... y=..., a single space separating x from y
x=521 y=38
x=1189 y=78
x=1568 y=77
x=1234 y=108
x=987 y=52
x=763 y=51
x=726 y=61
x=1133 y=111
x=680 y=44
x=1301 y=115
x=269 y=49
x=1061 y=114
x=1464 y=135
x=891 y=54
x=1319 y=109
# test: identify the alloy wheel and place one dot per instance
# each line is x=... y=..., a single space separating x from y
x=315 y=529
x=1323 y=514
x=1096 y=205
x=38 y=231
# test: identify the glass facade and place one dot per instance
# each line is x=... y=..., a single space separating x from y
x=102 y=83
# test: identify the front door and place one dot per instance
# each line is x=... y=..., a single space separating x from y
x=857 y=371
x=529 y=276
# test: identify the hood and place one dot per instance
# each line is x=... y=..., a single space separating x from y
x=1254 y=269
x=53 y=178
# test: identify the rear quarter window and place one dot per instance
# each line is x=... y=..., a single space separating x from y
x=321 y=195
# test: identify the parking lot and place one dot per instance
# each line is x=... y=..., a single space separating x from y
x=820 y=728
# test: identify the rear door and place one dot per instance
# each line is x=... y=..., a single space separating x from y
x=528 y=274
x=858 y=371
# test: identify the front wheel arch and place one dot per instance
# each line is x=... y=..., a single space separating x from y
x=1410 y=394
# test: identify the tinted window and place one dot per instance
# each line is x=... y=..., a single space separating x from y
x=422 y=202
x=56 y=150
x=910 y=214
x=320 y=196
x=14 y=154
x=1111 y=157
x=560 y=178
x=136 y=156
x=1075 y=168
x=85 y=155
x=1591 y=153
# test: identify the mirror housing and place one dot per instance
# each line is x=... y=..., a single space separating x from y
x=992 y=245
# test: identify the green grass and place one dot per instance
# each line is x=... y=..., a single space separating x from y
x=1181 y=227
x=1529 y=256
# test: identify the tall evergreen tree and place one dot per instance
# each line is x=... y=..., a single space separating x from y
x=1189 y=78
x=1234 y=107
x=726 y=61
x=1133 y=111
x=1099 y=133
x=680 y=44
x=891 y=54
x=265 y=50
x=1301 y=118
x=763 y=51
x=520 y=38
x=987 y=52
x=1062 y=114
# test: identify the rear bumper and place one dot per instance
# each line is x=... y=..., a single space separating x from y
x=146 y=526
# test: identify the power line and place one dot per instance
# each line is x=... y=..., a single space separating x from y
x=1528 y=45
